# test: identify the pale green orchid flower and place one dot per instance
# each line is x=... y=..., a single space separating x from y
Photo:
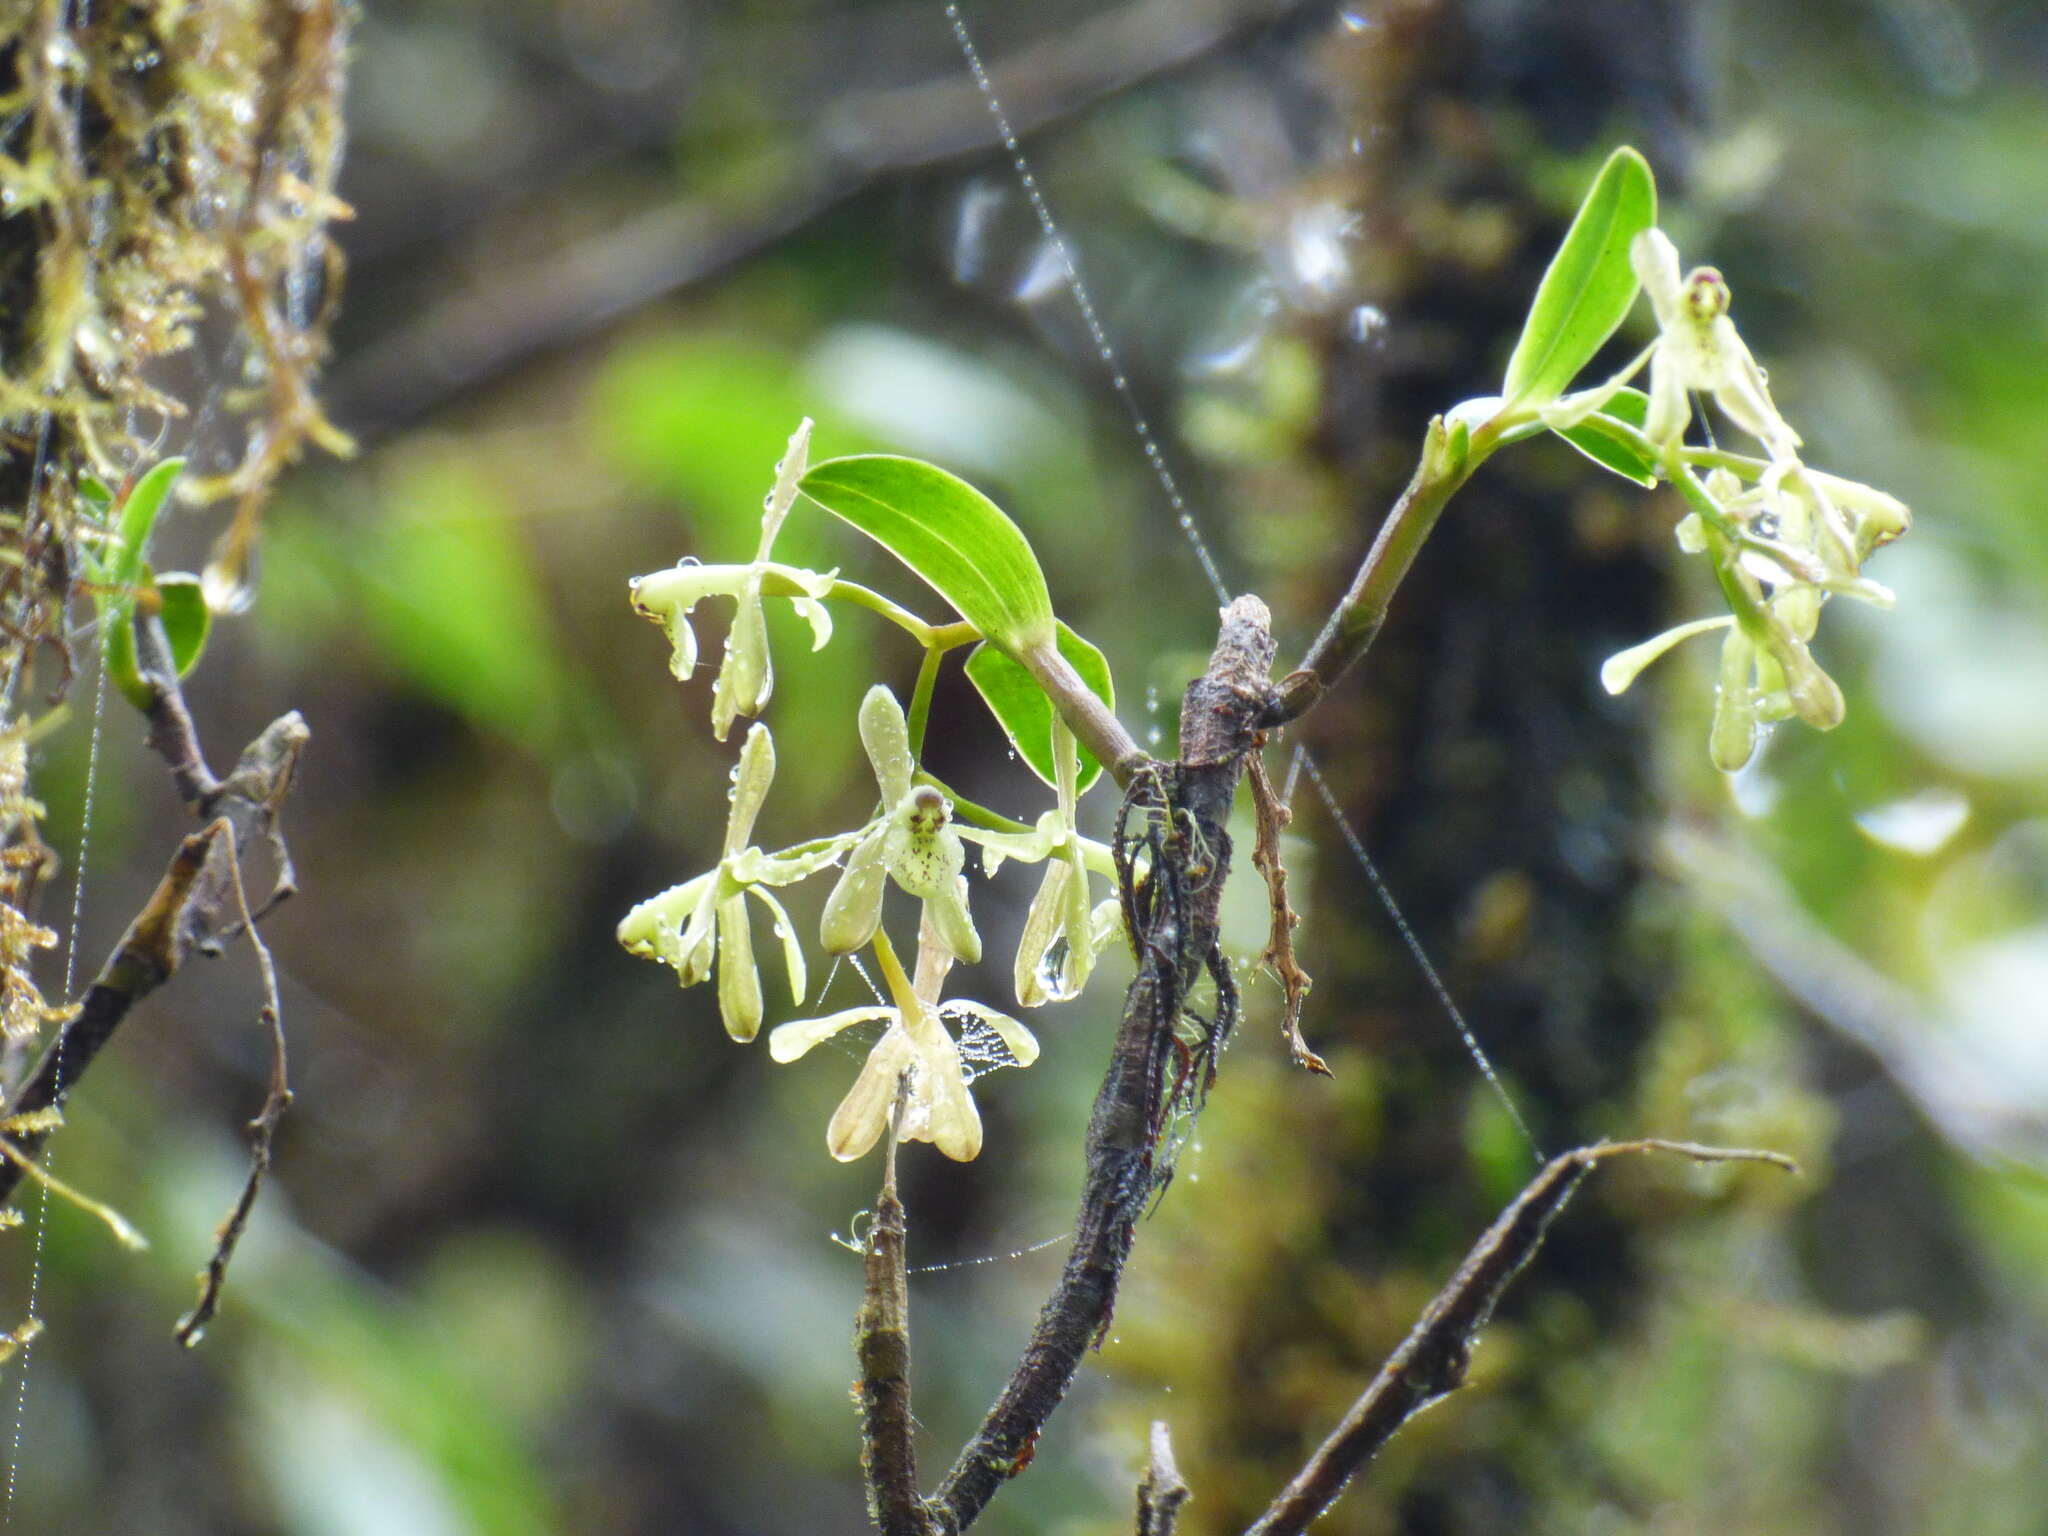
x=912 y=842
x=747 y=676
x=916 y=1045
x=1698 y=348
x=1057 y=949
x=705 y=919
x=1802 y=538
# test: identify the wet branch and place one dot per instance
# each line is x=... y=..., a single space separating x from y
x=1172 y=915
x=881 y=1341
x=1433 y=1359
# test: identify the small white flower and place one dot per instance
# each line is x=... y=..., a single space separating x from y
x=913 y=842
x=1698 y=348
x=915 y=1044
x=705 y=919
x=747 y=677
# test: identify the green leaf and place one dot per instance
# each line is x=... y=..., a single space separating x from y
x=146 y=498
x=1590 y=286
x=947 y=532
x=186 y=618
x=1631 y=407
x=1024 y=711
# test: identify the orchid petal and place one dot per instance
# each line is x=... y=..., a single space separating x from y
x=854 y=909
x=953 y=1124
x=1022 y=1044
x=857 y=1124
x=739 y=982
x=1623 y=667
x=747 y=677
x=1732 y=740
x=1041 y=926
x=1655 y=260
x=886 y=736
x=788 y=1042
x=789 y=471
x=792 y=949
x=945 y=909
x=751 y=778
x=753 y=867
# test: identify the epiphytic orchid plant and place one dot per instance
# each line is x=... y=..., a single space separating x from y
x=1781 y=538
x=978 y=560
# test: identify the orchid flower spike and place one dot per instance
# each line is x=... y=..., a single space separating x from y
x=916 y=1044
x=912 y=842
x=747 y=676
x=705 y=919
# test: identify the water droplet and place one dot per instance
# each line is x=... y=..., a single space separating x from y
x=1052 y=973
x=1354 y=20
x=229 y=584
x=1367 y=323
x=1152 y=699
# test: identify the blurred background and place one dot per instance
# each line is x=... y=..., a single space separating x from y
x=546 y=1252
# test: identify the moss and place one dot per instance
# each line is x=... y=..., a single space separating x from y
x=162 y=163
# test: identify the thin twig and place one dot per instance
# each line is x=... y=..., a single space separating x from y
x=1272 y=816
x=262 y=1133
x=1432 y=1360
x=1173 y=913
x=881 y=1341
x=1161 y=1493
x=190 y=904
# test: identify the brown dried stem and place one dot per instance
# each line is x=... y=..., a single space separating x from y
x=262 y=1134
x=1433 y=1359
x=1273 y=816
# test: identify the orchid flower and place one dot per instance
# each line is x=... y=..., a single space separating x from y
x=912 y=842
x=706 y=918
x=1062 y=933
x=1698 y=348
x=747 y=676
x=1802 y=537
x=916 y=1045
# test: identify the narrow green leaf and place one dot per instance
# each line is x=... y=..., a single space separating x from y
x=950 y=534
x=186 y=618
x=146 y=498
x=1632 y=407
x=1025 y=713
x=1589 y=287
